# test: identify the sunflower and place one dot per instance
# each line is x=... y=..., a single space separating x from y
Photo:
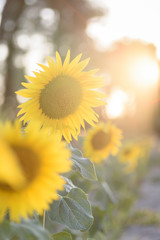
x=102 y=141
x=145 y=146
x=129 y=155
x=29 y=173
x=62 y=96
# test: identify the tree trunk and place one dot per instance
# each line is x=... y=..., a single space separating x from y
x=11 y=13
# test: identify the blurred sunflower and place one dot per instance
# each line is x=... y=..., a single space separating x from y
x=145 y=145
x=129 y=155
x=62 y=96
x=29 y=173
x=102 y=141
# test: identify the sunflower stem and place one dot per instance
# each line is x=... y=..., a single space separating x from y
x=44 y=219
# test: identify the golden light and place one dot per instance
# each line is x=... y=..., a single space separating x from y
x=144 y=71
x=116 y=103
x=114 y=27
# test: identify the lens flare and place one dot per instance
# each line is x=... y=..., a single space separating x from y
x=144 y=72
x=116 y=103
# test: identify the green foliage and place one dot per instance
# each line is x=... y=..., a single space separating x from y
x=26 y=230
x=62 y=236
x=98 y=197
x=72 y=210
x=113 y=194
x=109 y=192
x=72 y=218
x=83 y=165
x=144 y=217
x=6 y=231
x=100 y=236
x=69 y=185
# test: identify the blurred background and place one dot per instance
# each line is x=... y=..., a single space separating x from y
x=120 y=36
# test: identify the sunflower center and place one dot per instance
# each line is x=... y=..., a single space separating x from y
x=29 y=162
x=5 y=186
x=60 y=97
x=100 y=140
x=127 y=152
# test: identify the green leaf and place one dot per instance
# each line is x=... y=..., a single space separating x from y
x=69 y=185
x=85 y=167
x=30 y=228
x=73 y=210
x=76 y=152
x=53 y=213
x=5 y=231
x=62 y=236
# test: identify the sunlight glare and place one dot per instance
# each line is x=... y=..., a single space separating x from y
x=116 y=103
x=126 y=19
x=144 y=71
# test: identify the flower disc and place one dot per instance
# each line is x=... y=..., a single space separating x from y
x=62 y=96
x=102 y=141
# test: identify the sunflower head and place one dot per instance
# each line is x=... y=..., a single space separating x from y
x=30 y=168
x=102 y=141
x=129 y=155
x=62 y=96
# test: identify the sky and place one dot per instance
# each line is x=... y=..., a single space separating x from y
x=135 y=19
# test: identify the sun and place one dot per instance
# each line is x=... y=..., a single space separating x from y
x=62 y=97
x=144 y=71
